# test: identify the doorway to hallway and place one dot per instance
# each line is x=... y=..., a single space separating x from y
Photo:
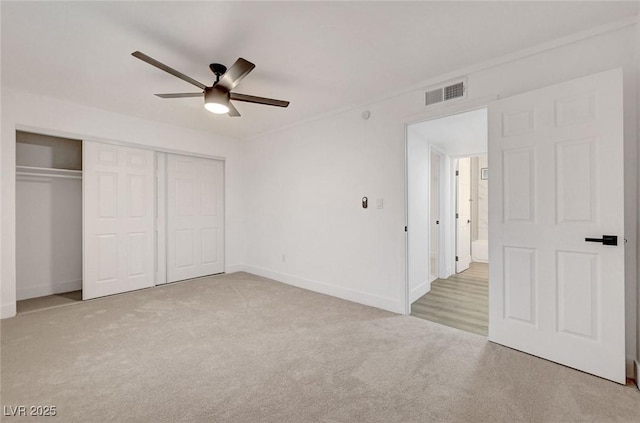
x=447 y=174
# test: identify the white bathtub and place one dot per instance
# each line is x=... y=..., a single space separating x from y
x=480 y=250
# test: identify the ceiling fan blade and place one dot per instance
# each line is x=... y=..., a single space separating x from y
x=179 y=95
x=159 y=65
x=233 y=112
x=235 y=73
x=259 y=100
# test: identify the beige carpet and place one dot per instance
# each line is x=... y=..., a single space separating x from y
x=239 y=348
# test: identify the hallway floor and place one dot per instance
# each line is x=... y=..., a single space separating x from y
x=461 y=301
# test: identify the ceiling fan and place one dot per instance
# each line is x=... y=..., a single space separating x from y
x=216 y=97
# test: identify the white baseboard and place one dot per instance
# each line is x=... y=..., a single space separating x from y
x=478 y=260
x=384 y=303
x=7 y=310
x=233 y=268
x=48 y=289
x=419 y=291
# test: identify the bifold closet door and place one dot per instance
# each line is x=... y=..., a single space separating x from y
x=118 y=198
x=195 y=217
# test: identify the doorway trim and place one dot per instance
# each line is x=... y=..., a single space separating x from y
x=443 y=176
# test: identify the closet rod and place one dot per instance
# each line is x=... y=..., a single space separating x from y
x=48 y=175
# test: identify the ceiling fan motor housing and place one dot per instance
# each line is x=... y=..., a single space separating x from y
x=218 y=69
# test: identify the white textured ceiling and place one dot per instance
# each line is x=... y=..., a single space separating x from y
x=457 y=135
x=321 y=56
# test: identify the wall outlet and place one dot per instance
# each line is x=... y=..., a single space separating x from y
x=379 y=203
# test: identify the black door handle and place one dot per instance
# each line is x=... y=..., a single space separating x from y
x=605 y=240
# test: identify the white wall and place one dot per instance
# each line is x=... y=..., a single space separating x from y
x=461 y=134
x=55 y=117
x=304 y=184
x=48 y=152
x=302 y=195
x=418 y=211
x=49 y=236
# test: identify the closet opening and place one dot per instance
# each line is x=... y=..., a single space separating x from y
x=48 y=221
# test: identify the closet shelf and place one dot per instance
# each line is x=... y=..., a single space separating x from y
x=48 y=171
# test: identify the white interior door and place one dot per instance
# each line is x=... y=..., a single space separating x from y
x=434 y=218
x=556 y=159
x=463 y=215
x=118 y=251
x=195 y=217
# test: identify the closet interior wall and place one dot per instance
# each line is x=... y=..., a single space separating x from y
x=48 y=215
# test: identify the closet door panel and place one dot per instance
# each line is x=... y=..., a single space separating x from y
x=209 y=245
x=195 y=223
x=107 y=194
x=118 y=219
x=107 y=255
x=183 y=242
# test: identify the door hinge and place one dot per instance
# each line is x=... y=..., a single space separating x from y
x=457 y=173
x=457 y=216
x=456 y=258
x=405 y=229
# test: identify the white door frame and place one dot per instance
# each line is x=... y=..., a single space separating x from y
x=441 y=212
x=458 y=218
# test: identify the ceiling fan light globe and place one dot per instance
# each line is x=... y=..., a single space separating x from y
x=216 y=100
x=216 y=108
